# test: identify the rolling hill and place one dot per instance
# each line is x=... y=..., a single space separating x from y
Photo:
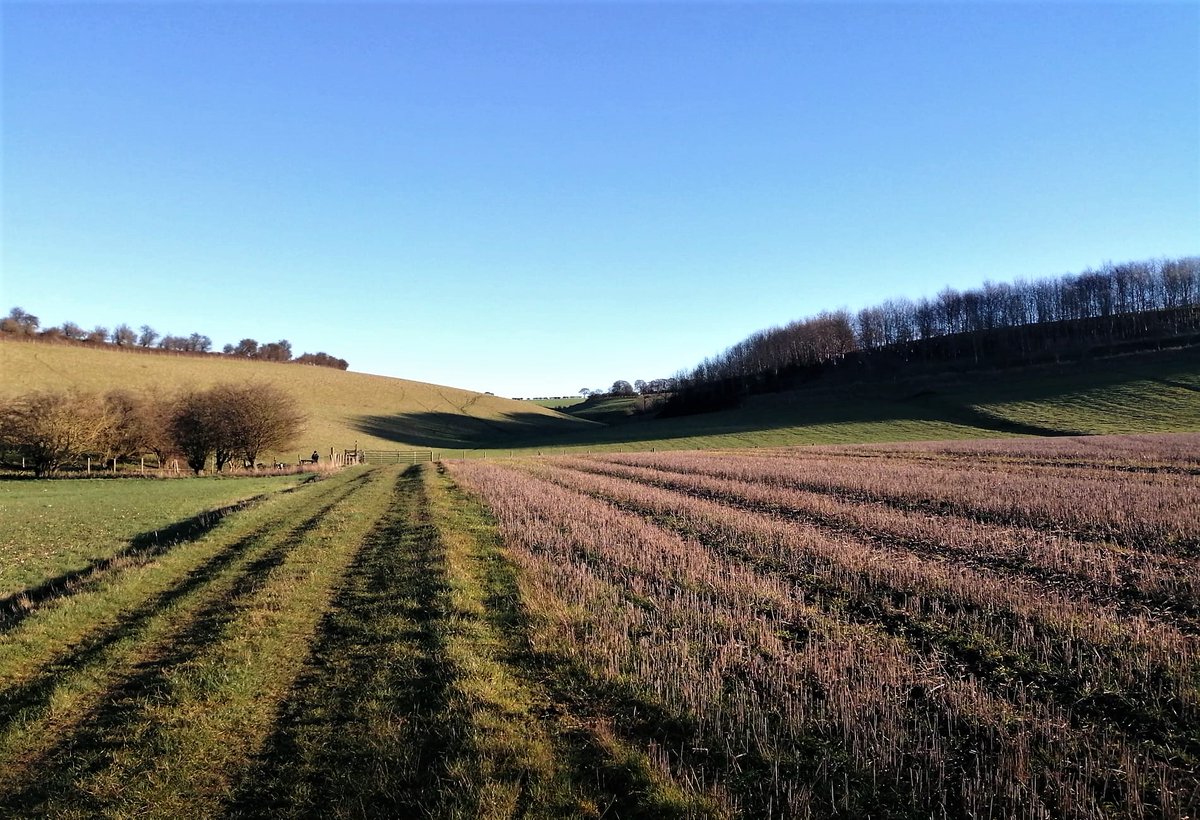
x=343 y=407
x=1146 y=392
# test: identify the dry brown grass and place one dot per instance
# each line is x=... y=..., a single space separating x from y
x=841 y=651
x=408 y=414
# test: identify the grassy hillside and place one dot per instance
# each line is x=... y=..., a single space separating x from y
x=1149 y=392
x=343 y=407
x=1152 y=392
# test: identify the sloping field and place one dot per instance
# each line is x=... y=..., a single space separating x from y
x=997 y=629
x=343 y=407
x=1153 y=392
x=354 y=647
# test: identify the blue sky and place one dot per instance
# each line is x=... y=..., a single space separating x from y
x=530 y=199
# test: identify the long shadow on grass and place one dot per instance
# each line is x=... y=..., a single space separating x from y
x=15 y=699
x=85 y=752
x=366 y=729
x=141 y=548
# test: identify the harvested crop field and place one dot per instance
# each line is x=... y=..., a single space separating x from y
x=984 y=629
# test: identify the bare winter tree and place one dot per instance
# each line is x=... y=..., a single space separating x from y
x=256 y=418
x=124 y=336
x=233 y=420
x=19 y=323
x=194 y=428
x=74 y=332
x=51 y=429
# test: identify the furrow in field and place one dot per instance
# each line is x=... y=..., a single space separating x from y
x=753 y=670
x=1159 y=587
x=1140 y=452
x=540 y=746
x=102 y=700
x=1152 y=512
x=650 y=624
x=1017 y=638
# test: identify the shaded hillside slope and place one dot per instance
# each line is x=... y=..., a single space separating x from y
x=1155 y=392
x=343 y=407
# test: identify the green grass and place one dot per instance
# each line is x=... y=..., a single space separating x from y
x=54 y=527
x=146 y=692
x=610 y=409
x=1152 y=394
x=557 y=404
x=1156 y=392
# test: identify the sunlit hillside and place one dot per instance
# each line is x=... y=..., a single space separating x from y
x=343 y=407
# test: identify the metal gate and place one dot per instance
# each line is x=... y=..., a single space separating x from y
x=396 y=456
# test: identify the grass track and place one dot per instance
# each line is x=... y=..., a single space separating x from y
x=358 y=647
x=180 y=683
x=54 y=529
x=422 y=697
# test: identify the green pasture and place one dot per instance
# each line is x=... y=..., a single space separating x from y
x=1133 y=394
x=557 y=404
x=54 y=527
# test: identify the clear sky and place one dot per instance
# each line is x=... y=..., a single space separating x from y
x=534 y=198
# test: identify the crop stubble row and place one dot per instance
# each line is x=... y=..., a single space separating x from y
x=848 y=667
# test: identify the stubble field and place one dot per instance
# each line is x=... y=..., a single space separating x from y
x=982 y=629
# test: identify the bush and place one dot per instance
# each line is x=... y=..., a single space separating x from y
x=52 y=429
x=232 y=420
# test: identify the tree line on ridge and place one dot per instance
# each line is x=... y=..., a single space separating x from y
x=24 y=325
x=1119 y=308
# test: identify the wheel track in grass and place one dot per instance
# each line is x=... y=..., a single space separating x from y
x=421 y=699
x=356 y=732
x=142 y=548
x=168 y=738
x=108 y=667
x=986 y=659
x=91 y=639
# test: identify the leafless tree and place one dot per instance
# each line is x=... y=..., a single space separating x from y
x=194 y=428
x=19 y=323
x=233 y=420
x=124 y=336
x=256 y=418
x=51 y=429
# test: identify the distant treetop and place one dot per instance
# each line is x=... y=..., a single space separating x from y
x=21 y=324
